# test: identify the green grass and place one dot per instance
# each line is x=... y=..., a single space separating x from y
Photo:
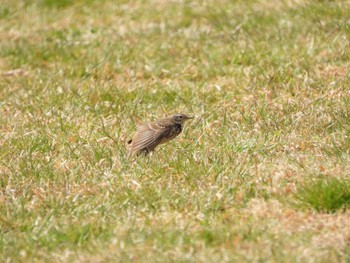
x=268 y=82
x=325 y=194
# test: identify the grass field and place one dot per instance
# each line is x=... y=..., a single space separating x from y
x=262 y=174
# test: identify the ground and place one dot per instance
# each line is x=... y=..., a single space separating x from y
x=260 y=175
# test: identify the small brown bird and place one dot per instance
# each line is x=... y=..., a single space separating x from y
x=148 y=136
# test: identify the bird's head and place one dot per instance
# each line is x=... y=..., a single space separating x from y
x=180 y=118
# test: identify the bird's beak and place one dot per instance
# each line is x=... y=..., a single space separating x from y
x=187 y=117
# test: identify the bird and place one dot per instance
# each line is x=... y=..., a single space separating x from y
x=149 y=135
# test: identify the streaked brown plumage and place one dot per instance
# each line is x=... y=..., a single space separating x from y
x=149 y=135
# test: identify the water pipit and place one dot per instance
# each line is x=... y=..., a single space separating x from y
x=149 y=135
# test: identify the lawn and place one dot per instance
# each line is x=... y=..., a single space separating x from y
x=261 y=174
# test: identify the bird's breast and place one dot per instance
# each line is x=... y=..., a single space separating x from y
x=173 y=131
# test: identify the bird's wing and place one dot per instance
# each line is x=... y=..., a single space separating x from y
x=147 y=137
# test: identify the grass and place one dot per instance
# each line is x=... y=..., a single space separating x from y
x=268 y=83
x=325 y=194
